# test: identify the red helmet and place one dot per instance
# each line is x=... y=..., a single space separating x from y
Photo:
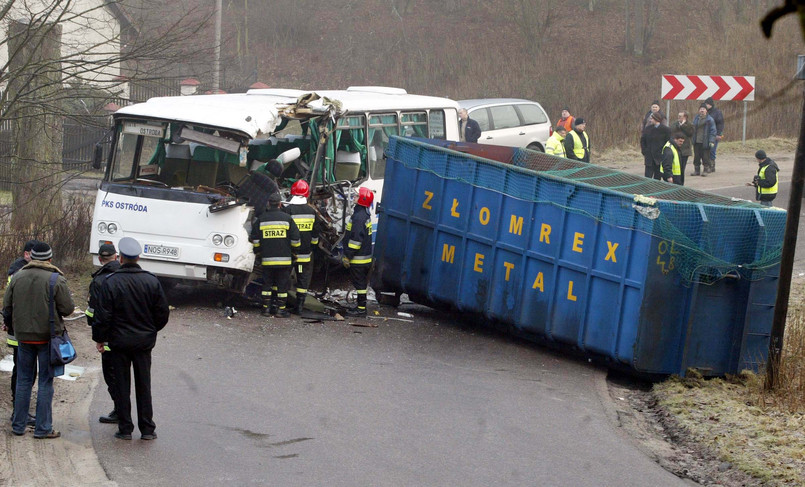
x=300 y=188
x=365 y=197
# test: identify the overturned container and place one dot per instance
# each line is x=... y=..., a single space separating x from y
x=652 y=277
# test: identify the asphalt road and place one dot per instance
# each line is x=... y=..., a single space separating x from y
x=433 y=402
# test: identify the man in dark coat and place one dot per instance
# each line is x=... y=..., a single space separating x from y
x=718 y=118
x=132 y=309
x=577 y=142
x=651 y=143
x=765 y=181
x=107 y=257
x=469 y=130
x=704 y=136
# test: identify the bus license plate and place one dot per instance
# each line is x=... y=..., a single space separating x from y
x=161 y=251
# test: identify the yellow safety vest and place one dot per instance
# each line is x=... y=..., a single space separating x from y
x=773 y=189
x=676 y=169
x=555 y=146
x=578 y=145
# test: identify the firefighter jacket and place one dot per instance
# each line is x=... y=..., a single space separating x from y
x=275 y=237
x=95 y=288
x=305 y=218
x=131 y=310
x=359 y=237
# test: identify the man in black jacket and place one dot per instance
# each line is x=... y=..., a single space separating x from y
x=107 y=257
x=132 y=309
x=651 y=144
x=718 y=118
x=469 y=130
x=577 y=142
x=765 y=181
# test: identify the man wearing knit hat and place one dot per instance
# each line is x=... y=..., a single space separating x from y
x=131 y=310
x=577 y=143
x=26 y=311
x=765 y=181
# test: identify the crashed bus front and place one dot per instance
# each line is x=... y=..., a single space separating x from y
x=185 y=174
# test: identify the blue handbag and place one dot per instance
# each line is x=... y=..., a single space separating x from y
x=61 y=348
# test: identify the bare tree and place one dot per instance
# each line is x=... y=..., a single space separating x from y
x=645 y=14
x=56 y=49
x=535 y=18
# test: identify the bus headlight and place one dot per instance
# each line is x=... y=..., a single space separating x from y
x=111 y=228
x=229 y=241
x=102 y=227
x=217 y=240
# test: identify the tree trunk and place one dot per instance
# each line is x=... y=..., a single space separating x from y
x=639 y=27
x=628 y=43
x=36 y=126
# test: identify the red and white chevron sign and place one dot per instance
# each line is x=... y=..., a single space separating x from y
x=689 y=87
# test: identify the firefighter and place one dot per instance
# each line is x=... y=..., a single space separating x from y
x=305 y=218
x=358 y=252
x=275 y=237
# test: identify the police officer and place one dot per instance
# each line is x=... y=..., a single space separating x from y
x=131 y=310
x=358 y=252
x=765 y=181
x=275 y=237
x=11 y=340
x=107 y=256
x=305 y=218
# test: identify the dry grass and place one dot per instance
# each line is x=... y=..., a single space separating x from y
x=760 y=432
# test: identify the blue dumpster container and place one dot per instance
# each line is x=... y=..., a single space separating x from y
x=653 y=277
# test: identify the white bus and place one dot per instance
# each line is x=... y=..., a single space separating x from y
x=180 y=177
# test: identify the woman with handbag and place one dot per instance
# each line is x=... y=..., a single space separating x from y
x=34 y=304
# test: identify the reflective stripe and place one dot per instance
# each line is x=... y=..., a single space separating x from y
x=265 y=293
x=296 y=243
x=90 y=312
x=282 y=295
x=12 y=342
x=314 y=241
x=360 y=291
x=349 y=225
x=106 y=348
x=276 y=261
x=303 y=258
x=773 y=189
x=361 y=259
x=301 y=291
x=354 y=244
x=9 y=278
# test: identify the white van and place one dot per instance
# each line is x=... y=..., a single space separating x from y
x=510 y=122
x=181 y=176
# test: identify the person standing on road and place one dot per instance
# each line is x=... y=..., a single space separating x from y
x=577 y=143
x=11 y=341
x=566 y=120
x=358 y=252
x=276 y=238
x=27 y=309
x=672 y=169
x=718 y=118
x=107 y=257
x=765 y=181
x=704 y=135
x=469 y=130
x=651 y=146
x=132 y=309
x=683 y=126
x=305 y=218
x=555 y=145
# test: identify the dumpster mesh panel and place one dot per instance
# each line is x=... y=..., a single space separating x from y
x=714 y=236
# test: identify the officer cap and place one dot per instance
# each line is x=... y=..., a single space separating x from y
x=274 y=198
x=107 y=250
x=760 y=155
x=129 y=247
